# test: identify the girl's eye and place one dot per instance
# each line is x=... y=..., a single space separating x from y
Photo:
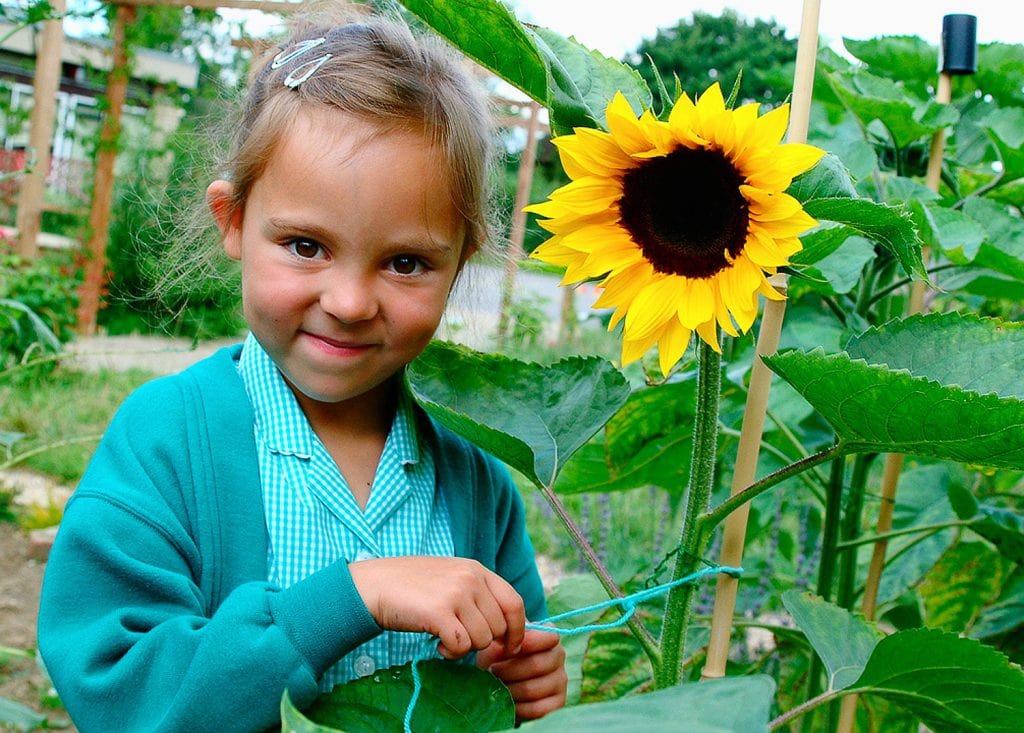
x=406 y=265
x=305 y=249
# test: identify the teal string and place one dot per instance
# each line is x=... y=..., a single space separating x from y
x=627 y=603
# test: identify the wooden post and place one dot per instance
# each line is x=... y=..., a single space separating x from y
x=46 y=84
x=760 y=376
x=517 y=232
x=103 y=181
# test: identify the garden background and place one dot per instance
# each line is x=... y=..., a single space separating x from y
x=954 y=559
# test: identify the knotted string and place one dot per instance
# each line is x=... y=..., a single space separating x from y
x=627 y=603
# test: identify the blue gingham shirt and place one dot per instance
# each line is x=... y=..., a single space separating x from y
x=313 y=519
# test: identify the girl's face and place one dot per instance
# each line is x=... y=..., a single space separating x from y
x=349 y=245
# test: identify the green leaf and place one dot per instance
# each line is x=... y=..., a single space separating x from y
x=909 y=57
x=921 y=502
x=1003 y=250
x=728 y=705
x=890 y=226
x=966 y=578
x=614 y=667
x=951 y=231
x=1002 y=527
x=950 y=683
x=829 y=179
x=1005 y=127
x=1006 y=614
x=379 y=703
x=982 y=355
x=929 y=386
x=842 y=640
x=582 y=82
x=489 y=34
x=908 y=120
x=532 y=417
x=646 y=443
x=835 y=255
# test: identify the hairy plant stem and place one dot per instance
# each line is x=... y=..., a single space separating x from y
x=803 y=708
x=920 y=529
x=642 y=635
x=15 y=460
x=692 y=540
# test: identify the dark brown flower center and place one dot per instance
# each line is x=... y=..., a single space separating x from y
x=685 y=211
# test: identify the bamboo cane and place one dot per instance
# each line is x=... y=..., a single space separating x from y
x=760 y=376
x=894 y=461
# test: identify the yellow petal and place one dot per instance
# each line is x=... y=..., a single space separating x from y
x=592 y=151
x=672 y=345
x=696 y=302
x=621 y=289
x=625 y=127
x=651 y=308
x=658 y=133
x=708 y=333
x=743 y=121
x=710 y=106
x=634 y=349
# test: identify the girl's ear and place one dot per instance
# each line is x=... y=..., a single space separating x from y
x=227 y=217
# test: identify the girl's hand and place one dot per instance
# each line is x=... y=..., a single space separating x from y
x=457 y=600
x=535 y=675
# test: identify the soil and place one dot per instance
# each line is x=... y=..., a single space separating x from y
x=21 y=678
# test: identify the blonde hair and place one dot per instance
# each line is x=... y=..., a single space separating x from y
x=379 y=71
x=376 y=70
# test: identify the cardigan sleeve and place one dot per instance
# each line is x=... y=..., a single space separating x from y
x=129 y=637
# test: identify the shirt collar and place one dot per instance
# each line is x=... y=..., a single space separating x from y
x=284 y=427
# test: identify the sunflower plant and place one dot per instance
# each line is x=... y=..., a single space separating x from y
x=688 y=210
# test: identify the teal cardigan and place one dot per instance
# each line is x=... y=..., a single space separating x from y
x=156 y=614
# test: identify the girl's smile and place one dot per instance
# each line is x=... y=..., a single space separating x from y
x=349 y=244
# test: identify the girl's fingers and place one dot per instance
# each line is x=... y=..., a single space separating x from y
x=530 y=666
x=511 y=604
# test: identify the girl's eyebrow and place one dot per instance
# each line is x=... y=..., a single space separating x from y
x=425 y=243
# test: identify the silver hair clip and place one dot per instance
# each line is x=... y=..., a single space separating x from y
x=300 y=73
x=295 y=51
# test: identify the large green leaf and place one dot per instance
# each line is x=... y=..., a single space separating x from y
x=582 y=82
x=728 y=705
x=981 y=355
x=18 y=717
x=966 y=578
x=532 y=417
x=902 y=57
x=925 y=386
x=842 y=640
x=1002 y=527
x=455 y=698
x=950 y=683
x=646 y=443
x=890 y=226
x=489 y=34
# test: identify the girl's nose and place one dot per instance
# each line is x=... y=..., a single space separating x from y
x=350 y=299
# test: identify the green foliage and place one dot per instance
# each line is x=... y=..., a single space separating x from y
x=533 y=419
x=708 y=48
x=378 y=703
x=734 y=705
x=38 y=299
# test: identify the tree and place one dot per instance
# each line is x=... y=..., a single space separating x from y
x=709 y=48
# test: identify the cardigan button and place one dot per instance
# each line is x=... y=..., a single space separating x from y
x=364 y=665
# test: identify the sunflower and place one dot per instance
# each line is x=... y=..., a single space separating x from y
x=682 y=219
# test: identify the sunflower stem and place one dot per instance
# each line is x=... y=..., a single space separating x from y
x=692 y=539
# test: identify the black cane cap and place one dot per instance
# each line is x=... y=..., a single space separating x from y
x=959 y=54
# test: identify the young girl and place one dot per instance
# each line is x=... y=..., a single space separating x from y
x=281 y=515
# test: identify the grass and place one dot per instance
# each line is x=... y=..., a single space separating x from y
x=60 y=407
